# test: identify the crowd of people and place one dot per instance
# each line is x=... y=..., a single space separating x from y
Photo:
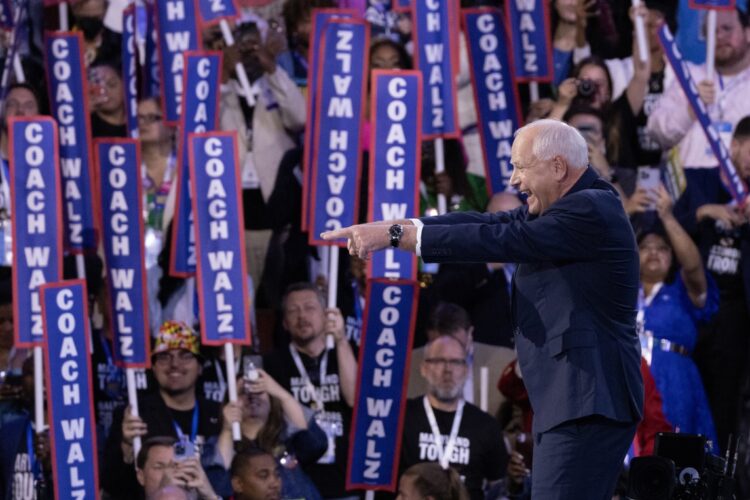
x=297 y=381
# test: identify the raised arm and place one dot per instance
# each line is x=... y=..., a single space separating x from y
x=691 y=264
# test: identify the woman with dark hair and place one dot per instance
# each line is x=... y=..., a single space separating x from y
x=388 y=54
x=272 y=420
x=429 y=481
x=676 y=294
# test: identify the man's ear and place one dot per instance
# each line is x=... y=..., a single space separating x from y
x=734 y=147
x=559 y=167
x=237 y=485
x=140 y=476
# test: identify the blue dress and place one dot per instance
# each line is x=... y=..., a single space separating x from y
x=672 y=316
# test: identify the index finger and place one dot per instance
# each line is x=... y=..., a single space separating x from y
x=344 y=232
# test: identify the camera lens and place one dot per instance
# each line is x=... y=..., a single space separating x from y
x=586 y=88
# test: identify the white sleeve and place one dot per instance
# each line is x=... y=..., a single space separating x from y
x=670 y=120
x=420 y=226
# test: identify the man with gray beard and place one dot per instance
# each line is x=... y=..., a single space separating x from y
x=441 y=427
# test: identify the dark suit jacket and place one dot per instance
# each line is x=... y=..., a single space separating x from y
x=574 y=301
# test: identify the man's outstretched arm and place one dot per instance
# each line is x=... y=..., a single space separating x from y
x=363 y=239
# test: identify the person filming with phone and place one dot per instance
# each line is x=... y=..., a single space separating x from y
x=273 y=421
x=175 y=409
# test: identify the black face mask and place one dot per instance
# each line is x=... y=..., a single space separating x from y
x=90 y=26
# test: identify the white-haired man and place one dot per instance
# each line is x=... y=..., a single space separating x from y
x=574 y=301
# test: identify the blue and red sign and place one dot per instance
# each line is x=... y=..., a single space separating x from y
x=121 y=202
x=712 y=4
x=220 y=229
x=401 y=5
x=320 y=18
x=213 y=11
x=530 y=40
x=152 y=69
x=436 y=28
x=395 y=162
x=178 y=32
x=69 y=100
x=338 y=127
x=130 y=69
x=730 y=177
x=70 y=395
x=495 y=94
x=202 y=79
x=380 y=401
x=36 y=221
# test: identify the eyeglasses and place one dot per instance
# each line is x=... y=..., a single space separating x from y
x=449 y=362
x=181 y=357
x=148 y=118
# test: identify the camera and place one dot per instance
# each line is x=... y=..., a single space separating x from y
x=681 y=469
x=586 y=89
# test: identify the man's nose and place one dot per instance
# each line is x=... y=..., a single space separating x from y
x=514 y=180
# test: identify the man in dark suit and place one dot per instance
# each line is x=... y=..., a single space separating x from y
x=574 y=303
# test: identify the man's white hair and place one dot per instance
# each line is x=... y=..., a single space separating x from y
x=556 y=138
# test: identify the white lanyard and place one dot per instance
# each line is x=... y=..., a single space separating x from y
x=444 y=453
x=303 y=373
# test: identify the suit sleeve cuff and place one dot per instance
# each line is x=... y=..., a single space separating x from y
x=420 y=225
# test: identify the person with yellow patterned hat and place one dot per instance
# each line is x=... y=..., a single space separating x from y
x=175 y=409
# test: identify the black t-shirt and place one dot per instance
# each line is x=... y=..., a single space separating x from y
x=101 y=128
x=479 y=452
x=329 y=478
x=25 y=481
x=636 y=146
x=722 y=252
x=109 y=384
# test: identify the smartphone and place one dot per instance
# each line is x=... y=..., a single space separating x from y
x=183 y=449
x=525 y=446
x=649 y=178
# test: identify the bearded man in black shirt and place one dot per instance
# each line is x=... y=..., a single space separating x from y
x=441 y=427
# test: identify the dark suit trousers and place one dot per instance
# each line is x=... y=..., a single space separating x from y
x=580 y=459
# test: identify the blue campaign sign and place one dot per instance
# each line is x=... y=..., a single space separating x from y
x=380 y=402
x=320 y=18
x=6 y=15
x=178 y=32
x=338 y=127
x=36 y=220
x=530 y=40
x=495 y=95
x=202 y=80
x=730 y=177
x=69 y=100
x=395 y=162
x=70 y=397
x=220 y=229
x=212 y=11
x=712 y=4
x=152 y=68
x=129 y=70
x=436 y=30
x=121 y=202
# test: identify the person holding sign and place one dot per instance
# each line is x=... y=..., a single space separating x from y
x=175 y=409
x=264 y=133
x=673 y=123
x=575 y=294
x=321 y=378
